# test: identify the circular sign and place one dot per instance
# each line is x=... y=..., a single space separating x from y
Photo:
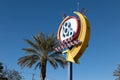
x=73 y=34
x=69 y=28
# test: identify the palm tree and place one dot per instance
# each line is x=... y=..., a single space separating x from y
x=117 y=72
x=40 y=52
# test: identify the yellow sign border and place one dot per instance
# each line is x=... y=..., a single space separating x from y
x=76 y=52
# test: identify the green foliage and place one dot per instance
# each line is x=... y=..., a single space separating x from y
x=12 y=74
x=41 y=51
x=39 y=48
x=7 y=74
x=117 y=72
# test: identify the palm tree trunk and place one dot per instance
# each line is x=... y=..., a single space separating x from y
x=43 y=70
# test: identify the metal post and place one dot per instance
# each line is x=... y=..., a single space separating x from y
x=69 y=70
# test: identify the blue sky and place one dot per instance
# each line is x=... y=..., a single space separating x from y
x=19 y=19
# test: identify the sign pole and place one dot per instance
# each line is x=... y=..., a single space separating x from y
x=70 y=71
x=73 y=35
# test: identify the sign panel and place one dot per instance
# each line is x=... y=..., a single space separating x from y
x=73 y=35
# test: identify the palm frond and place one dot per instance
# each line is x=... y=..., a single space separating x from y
x=57 y=58
x=38 y=65
x=45 y=42
x=40 y=39
x=50 y=40
x=31 y=50
x=53 y=62
x=37 y=40
x=27 y=61
x=62 y=62
x=32 y=44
